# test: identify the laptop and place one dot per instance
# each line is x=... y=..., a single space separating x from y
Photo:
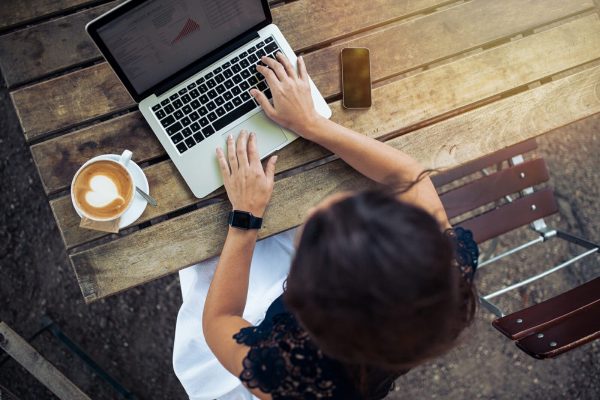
x=190 y=64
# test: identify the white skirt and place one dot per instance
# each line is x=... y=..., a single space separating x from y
x=200 y=373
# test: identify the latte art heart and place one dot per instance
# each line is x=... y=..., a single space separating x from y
x=103 y=192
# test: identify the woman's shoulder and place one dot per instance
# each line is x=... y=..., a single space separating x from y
x=283 y=361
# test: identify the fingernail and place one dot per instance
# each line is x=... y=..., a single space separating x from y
x=276 y=158
x=229 y=137
x=252 y=134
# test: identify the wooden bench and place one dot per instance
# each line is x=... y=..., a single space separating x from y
x=556 y=325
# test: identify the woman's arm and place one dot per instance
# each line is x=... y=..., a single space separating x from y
x=249 y=188
x=293 y=108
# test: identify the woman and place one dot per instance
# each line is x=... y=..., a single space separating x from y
x=379 y=281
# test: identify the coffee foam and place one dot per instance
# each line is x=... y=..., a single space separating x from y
x=103 y=190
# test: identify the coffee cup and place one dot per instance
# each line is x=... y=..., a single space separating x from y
x=103 y=188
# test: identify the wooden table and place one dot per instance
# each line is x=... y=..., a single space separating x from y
x=453 y=81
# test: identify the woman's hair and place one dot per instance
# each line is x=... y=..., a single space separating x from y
x=374 y=284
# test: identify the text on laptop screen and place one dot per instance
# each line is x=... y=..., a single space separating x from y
x=160 y=37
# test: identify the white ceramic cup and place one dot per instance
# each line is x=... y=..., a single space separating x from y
x=124 y=160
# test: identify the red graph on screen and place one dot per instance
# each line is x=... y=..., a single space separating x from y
x=190 y=27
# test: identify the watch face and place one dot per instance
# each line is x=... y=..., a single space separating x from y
x=241 y=219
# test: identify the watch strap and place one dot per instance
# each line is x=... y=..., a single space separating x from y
x=250 y=221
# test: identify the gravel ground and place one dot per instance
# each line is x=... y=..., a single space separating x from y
x=131 y=334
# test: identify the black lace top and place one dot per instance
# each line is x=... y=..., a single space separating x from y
x=284 y=362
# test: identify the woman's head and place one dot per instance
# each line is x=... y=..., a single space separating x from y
x=373 y=282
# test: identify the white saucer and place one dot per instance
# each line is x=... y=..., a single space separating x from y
x=136 y=209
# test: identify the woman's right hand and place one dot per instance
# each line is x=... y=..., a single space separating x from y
x=293 y=106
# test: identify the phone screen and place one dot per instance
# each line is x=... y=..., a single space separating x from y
x=356 y=78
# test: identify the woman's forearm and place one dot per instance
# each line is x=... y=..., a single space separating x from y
x=372 y=158
x=229 y=287
x=379 y=162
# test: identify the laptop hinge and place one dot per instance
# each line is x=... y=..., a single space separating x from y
x=204 y=62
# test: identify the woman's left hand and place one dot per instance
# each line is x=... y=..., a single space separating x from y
x=248 y=186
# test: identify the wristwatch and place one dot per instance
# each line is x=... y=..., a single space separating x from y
x=244 y=220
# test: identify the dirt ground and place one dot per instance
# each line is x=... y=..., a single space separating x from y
x=131 y=334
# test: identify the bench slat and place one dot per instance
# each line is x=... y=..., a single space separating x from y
x=511 y=216
x=539 y=316
x=84 y=93
x=493 y=187
x=578 y=329
x=445 y=177
x=176 y=243
x=38 y=366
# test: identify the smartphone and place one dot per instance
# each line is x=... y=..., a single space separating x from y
x=356 y=77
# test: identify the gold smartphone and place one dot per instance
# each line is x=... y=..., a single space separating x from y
x=356 y=77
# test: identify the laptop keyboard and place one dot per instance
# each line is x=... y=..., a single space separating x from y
x=216 y=99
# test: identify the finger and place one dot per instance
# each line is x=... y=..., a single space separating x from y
x=269 y=76
x=233 y=161
x=289 y=69
x=263 y=102
x=270 y=169
x=225 y=171
x=242 y=149
x=275 y=66
x=302 y=69
x=253 y=156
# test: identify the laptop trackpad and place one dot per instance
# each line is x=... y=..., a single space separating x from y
x=268 y=134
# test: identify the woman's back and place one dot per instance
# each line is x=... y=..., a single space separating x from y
x=285 y=362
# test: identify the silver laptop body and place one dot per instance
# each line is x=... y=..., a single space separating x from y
x=195 y=108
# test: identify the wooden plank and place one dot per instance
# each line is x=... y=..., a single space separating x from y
x=310 y=23
x=49 y=47
x=81 y=96
x=38 y=366
x=456 y=85
x=508 y=217
x=58 y=159
x=424 y=40
x=474 y=166
x=36 y=119
x=59 y=44
x=13 y=13
x=174 y=244
x=493 y=187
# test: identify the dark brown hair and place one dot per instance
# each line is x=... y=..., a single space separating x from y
x=373 y=283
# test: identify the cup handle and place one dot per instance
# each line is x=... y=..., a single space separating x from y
x=125 y=157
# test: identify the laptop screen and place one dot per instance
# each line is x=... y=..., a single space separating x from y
x=158 y=38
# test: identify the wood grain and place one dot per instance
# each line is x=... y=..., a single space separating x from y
x=58 y=159
x=18 y=12
x=46 y=373
x=310 y=23
x=422 y=97
x=405 y=46
x=174 y=244
x=59 y=44
x=392 y=54
x=79 y=96
x=50 y=47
